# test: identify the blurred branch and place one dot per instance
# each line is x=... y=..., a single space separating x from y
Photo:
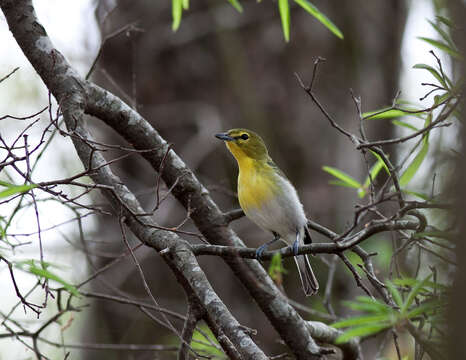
x=9 y=74
x=328 y=335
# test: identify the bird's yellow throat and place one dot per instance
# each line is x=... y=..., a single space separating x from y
x=256 y=179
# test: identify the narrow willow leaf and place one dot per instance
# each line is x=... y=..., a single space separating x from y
x=185 y=4
x=276 y=268
x=284 y=8
x=395 y=294
x=379 y=165
x=445 y=21
x=415 y=164
x=177 y=10
x=361 y=331
x=360 y=320
x=362 y=192
x=368 y=304
x=442 y=46
x=413 y=293
x=15 y=189
x=413 y=282
x=412 y=169
x=443 y=34
x=311 y=9
x=441 y=98
x=379 y=158
x=404 y=124
x=203 y=341
x=351 y=182
x=433 y=71
x=340 y=183
x=236 y=5
x=387 y=113
x=426 y=308
x=31 y=267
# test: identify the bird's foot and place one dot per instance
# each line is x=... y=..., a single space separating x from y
x=260 y=250
x=295 y=247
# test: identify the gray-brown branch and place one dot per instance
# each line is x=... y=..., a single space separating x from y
x=77 y=96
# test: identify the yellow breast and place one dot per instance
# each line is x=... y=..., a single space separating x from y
x=256 y=184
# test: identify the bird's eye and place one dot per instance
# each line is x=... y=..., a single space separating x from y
x=244 y=136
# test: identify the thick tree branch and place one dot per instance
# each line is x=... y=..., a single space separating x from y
x=75 y=96
x=68 y=88
x=323 y=333
x=208 y=218
x=375 y=227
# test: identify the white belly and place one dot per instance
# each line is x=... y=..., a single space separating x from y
x=282 y=213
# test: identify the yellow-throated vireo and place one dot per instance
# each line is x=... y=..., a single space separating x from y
x=269 y=199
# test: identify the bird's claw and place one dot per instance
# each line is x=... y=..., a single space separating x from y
x=295 y=247
x=260 y=250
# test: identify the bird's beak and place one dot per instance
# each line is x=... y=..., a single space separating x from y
x=224 y=137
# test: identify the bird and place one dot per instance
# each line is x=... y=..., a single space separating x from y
x=269 y=199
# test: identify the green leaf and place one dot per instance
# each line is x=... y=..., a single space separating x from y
x=236 y=5
x=379 y=158
x=177 y=10
x=360 y=320
x=442 y=46
x=412 y=169
x=395 y=294
x=367 y=304
x=413 y=293
x=404 y=124
x=340 y=183
x=350 y=182
x=361 y=192
x=443 y=34
x=379 y=165
x=31 y=267
x=276 y=268
x=387 y=113
x=361 y=331
x=311 y=9
x=202 y=345
x=14 y=189
x=433 y=71
x=185 y=4
x=426 y=308
x=284 y=8
x=445 y=21
x=415 y=164
x=4 y=183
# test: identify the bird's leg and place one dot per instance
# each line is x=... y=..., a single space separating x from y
x=263 y=247
x=296 y=244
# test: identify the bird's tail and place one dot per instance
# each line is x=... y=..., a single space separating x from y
x=308 y=279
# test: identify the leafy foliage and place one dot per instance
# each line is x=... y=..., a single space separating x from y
x=41 y=270
x=283 y=7
x=205 y=343
x=12 y=189
x=419 y=304
x=276 y=268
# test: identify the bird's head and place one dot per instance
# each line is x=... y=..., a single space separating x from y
x=244 y=143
